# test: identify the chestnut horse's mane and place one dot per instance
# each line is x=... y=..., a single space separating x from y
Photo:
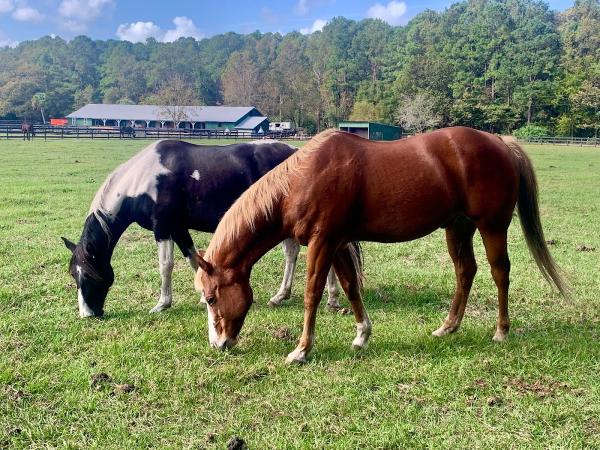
x=259 y=200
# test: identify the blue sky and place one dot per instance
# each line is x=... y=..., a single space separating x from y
x=135 y=20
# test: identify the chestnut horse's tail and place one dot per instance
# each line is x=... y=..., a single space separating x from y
x=357 y=260
x=529 y=214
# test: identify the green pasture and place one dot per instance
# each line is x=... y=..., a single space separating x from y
x=166 y=388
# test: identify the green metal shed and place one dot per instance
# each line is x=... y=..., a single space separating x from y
x=372 y=130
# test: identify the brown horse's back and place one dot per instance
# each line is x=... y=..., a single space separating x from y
x=404 y=189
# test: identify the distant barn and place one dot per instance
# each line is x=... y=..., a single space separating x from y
x=235 y=118
x=372 y=130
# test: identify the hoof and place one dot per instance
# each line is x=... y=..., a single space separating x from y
x=160 y=307
x=277 y=300
x=359 y=344
x=443 y=331
x=500 y=336
x=333 y=307
x=296 y=357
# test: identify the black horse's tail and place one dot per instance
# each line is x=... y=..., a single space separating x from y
x=529 y=213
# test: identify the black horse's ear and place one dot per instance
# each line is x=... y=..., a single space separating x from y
x=204 y=265
x=70 y=245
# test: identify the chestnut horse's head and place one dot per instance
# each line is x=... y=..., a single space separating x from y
x=228 y=297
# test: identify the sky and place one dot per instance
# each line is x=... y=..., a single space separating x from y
x=137 y=20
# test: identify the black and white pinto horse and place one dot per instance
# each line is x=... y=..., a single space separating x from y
x=169 y=188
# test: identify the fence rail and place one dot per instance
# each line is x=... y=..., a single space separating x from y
x=13 y=131
x=591 y=142
x=70 y=132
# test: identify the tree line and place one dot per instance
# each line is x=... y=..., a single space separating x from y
x=497 y=65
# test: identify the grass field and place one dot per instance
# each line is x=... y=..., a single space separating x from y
x=540 y=389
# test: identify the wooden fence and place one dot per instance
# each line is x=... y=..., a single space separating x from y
x=13 y=131
x=72 y=132
x=587 y=142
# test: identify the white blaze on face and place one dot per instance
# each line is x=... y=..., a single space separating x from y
x=213 y=336
x=84 y=309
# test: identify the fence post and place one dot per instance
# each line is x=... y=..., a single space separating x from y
x=45 y=131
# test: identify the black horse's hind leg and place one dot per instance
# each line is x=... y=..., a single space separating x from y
x=186 y=244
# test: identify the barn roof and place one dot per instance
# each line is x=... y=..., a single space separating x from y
x=250 y=123
x=155 y=112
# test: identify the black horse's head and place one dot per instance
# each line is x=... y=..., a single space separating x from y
x=93 y=274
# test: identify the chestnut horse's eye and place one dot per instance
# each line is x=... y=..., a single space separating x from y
x=211 y=300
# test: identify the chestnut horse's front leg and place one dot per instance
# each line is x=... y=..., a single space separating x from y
x=318 y=263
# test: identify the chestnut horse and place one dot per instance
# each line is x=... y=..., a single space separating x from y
x=341 y=188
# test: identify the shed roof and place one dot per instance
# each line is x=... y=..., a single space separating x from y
x=231 y=114
x=250 y=123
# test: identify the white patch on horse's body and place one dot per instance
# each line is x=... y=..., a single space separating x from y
x=84 y=309
x=195 y=175
x=363 y=332
x=166 y=263
x=213 y=337
x=135 y=177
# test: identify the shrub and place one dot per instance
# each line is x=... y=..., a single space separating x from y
x=531 y=131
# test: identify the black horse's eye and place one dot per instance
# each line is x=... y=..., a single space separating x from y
x=211 y=300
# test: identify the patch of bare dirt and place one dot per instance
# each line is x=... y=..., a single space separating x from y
x=124 y=388
x=540 y=388
x=586 y=248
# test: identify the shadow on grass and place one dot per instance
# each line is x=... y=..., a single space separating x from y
x=558 y=338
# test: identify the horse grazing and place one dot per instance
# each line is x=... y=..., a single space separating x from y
x=169 y=188
x=341 y=188
x=27 y=130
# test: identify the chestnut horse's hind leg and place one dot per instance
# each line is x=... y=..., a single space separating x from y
x=497 y=255
x=318 y=263
x=349 y=279
x=459 y=238
x=290 y=249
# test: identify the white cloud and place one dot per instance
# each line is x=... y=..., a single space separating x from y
x=184 y=27
x=6 y=6
x=27 y=14
x=392 y=13
x=84 y=10
x=140 y=31
x=316 y=26
x=8 y=43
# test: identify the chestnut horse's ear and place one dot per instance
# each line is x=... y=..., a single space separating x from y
x=70 y=245
x=204 y=265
